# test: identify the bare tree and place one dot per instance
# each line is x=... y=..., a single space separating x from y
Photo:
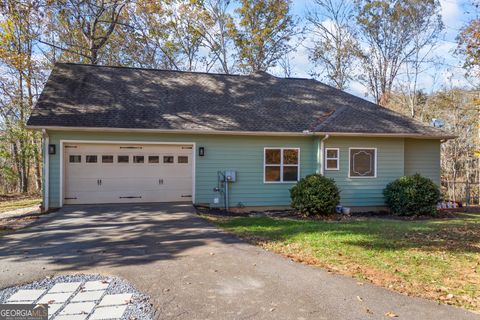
x=395 y=32
x=213 y=29
x=334 y=44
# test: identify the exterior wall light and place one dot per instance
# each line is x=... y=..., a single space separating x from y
x=51 y=149
x=201 y=151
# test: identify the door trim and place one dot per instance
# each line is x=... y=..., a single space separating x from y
x=62 y=142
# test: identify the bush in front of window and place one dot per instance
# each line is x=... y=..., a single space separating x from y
x=315 y=194
x=412 y=195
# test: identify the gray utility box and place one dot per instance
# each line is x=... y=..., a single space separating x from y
x=231 y=175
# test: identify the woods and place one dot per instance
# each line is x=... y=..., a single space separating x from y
x=387 y=47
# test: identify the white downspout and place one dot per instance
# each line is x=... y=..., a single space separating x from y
x=46 y=167
x=322 y=152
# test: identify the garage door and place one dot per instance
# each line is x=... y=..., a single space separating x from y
x=114 y=173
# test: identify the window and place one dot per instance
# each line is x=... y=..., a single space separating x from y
x=153 y=159
x=75 y=159
x=167 y=159
x=363 y=163
x=138 y=159
x=107 y=159
x=91 y=159
x=332 y=159
x=122 y=159
x=182 y=159
x=281 y=165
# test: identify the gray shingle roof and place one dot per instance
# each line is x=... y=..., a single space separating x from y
x=115 y=97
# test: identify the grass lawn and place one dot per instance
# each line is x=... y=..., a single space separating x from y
x=18 y=204
x=434 y=259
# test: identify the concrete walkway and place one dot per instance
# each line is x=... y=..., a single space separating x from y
x=193 y=270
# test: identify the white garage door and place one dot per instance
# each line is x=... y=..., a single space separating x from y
x=121 y=173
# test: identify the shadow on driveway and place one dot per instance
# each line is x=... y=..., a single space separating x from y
x=81 y=237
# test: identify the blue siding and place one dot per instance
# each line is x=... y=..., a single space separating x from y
x=367 y=191
x=241 y=153
x=423 y=157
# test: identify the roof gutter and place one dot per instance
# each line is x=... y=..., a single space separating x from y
x=246 y=133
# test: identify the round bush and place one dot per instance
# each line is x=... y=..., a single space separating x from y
x=315 y=194
x=412 y=195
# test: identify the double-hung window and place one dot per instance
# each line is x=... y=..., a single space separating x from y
x=281 y=165
x=332 y=158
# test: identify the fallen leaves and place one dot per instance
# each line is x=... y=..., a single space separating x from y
x=391 y=314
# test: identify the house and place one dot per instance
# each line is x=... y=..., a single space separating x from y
x=118 y=135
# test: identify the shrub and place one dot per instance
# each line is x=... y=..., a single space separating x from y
x=412 y=195
x=315 y=194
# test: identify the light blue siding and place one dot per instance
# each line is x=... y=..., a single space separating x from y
x=395 y=157
x=423 y=157
x=241 y=153
x=367 y=191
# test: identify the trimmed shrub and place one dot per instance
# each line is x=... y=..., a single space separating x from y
x=412 y=195
x=315 y=194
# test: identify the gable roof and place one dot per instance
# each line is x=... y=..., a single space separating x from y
x=88 y=96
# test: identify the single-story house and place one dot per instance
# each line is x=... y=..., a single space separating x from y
x=118 y=135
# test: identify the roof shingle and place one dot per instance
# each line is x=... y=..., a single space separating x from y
x=117 y=97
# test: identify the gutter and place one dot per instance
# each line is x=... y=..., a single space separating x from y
x=46 y=172
x=247 y=133
x=322 y=152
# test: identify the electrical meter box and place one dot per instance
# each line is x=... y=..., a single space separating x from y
x=231 y=175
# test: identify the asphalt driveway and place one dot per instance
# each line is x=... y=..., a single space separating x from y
x=193 y=270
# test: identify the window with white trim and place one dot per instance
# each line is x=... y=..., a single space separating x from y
x=363 y=163
x=332 y=159
x=281 y=164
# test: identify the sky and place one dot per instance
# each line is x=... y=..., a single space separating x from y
x=447 y=70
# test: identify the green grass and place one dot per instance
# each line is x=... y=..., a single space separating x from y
x=434 y=259
x=18 y=204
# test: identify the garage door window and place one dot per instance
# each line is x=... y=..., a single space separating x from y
x=122 y=159
x=167 y=159
x=153 y=159
x=138 y=159
x=75 y=159
x=91 y=159
x=182 y=159
x=107 y=159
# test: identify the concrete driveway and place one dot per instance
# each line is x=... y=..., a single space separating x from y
x=193 y=270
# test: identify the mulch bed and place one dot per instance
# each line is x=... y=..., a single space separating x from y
x=293 y=214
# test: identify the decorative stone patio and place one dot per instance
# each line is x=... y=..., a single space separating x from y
x=91 y=298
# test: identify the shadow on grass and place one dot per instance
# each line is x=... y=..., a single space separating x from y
x=460 y=235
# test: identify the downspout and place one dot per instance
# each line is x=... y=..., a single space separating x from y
x=322 y=152
x=46 y=174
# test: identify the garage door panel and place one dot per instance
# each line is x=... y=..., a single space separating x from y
x=147 y=181
x=83 y=184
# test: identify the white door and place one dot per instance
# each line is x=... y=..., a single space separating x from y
x=122 y=173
